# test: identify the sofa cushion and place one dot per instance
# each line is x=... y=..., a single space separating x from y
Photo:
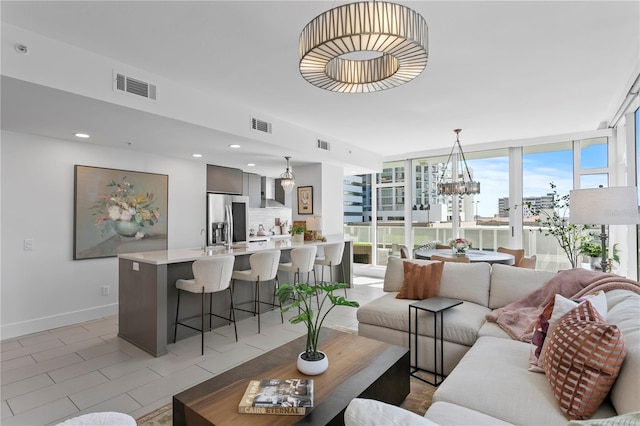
x=492 y=378
x=445 y=413
x=582 y=357
x=461 y=323
x=420 y=281
x=369 y=412
x=466 y=281
x=394 y=274
x=624 y=311
x=550 y=316
x=509 y=283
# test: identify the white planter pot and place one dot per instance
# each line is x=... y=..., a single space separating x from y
x=297 y=238
x=313 y=368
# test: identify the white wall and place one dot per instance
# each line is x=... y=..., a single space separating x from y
x=45 y=288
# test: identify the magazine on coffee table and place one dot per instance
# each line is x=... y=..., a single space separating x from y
x=277 y=396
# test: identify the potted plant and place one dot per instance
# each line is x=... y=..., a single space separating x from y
x=312 y=361
x=593 y=250
x=297 y=233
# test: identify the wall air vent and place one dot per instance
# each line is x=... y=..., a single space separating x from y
x=320 y=144
x=127 y=84
x=260 y=125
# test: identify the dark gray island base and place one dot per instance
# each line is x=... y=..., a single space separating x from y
x=148 y=297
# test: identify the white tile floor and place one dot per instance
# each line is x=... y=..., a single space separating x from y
x=50 y=376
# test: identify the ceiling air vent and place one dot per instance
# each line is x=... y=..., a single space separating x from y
x=323 y=145
x=260 y=125
x=135 y=87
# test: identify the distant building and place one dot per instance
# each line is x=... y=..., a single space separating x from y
x=541 y=202
x=426 y=203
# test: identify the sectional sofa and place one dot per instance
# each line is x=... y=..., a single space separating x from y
x=489 y=381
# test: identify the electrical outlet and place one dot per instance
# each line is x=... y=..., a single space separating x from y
x=28 y=244
x=105 y=290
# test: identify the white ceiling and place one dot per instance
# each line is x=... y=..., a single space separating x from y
x=499 y=70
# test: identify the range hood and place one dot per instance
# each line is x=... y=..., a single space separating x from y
x=270 y=197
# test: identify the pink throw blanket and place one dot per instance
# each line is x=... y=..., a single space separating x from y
x=518 y=318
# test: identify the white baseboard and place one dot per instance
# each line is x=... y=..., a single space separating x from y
x=17 y=329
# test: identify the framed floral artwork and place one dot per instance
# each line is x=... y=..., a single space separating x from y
x=305 y=200
x=118 y=211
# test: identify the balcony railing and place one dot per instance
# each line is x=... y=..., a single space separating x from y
x=390 y=235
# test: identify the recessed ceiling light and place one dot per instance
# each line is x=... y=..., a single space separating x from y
x=196 y=155
x=234 y=146
x=81 y=135
x=251 y=164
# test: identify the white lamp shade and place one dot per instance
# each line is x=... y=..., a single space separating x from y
x=314 y=224
x=604 y=206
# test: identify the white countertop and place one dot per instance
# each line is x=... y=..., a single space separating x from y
x=163 y=257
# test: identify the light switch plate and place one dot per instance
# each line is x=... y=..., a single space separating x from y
x=136 y=266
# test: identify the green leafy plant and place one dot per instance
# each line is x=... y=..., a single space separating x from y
x=554 y=222
x=297 y=229
x=302 y=295
x=593 y=248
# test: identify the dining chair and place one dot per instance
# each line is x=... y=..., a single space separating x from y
x=404 y=252
x=459 y=259
x=528 y=262
x=518 y=254
x=210 y=276
x=264 y=267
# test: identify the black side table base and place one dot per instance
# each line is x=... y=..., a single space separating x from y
x=434 y=305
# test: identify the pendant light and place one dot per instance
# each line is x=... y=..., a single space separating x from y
x=287 y=179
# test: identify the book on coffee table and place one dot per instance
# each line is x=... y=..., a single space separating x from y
x=277 y=396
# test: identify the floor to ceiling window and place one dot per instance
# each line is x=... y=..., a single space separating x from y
x=542 y=167
x=484 y=218
x=498 y=216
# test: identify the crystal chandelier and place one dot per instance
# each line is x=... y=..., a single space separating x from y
x=287 y=179
x=364 y=47
x=462 y=186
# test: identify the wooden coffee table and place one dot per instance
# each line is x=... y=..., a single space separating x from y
x=358 y=367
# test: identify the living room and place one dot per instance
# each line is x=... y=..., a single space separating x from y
x=561 y=94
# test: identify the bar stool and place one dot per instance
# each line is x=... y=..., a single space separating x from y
x=211 y=275
x=332 y=257
x=264 y=267
x=302 y=261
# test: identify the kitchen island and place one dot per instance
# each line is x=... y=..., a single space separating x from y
x=147 y=297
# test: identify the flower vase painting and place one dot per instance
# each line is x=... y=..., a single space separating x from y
x=119 y=211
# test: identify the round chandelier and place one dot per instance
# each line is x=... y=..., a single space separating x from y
x=462 y=186
x=364 y=47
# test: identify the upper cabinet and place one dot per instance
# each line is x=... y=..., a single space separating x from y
x=251 y=188
x=224 y=180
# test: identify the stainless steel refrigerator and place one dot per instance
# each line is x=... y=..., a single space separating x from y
x=227 y=219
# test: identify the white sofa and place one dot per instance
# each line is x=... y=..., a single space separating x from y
x=488 y=379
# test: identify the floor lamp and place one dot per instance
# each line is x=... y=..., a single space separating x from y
x=604 y=206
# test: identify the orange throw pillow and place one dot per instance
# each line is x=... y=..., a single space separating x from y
x=421 y=281
x=582 y=358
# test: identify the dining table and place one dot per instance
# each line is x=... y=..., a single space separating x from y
x=474 y=255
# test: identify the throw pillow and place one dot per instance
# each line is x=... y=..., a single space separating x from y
x=582 y=358
x=421 y=281
x=547 y=320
